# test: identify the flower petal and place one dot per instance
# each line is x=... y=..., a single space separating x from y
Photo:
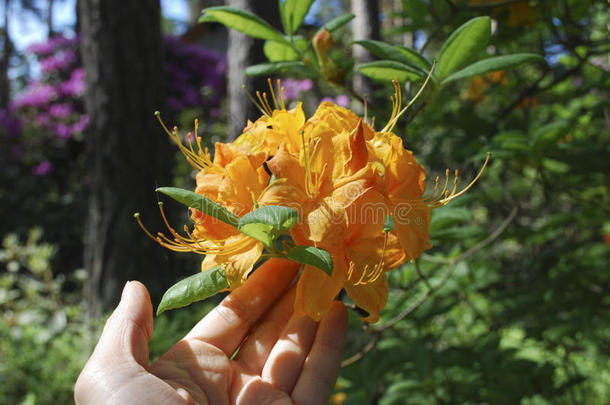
x=412 y=222
x=316 y=291
x=237 y=265
x=371 y=297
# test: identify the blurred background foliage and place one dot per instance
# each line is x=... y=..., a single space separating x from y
x=510 y=306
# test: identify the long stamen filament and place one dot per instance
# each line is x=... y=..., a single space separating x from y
x=394 y=118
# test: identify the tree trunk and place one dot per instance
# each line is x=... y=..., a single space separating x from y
x=49 y=16
x=128 y=155
x=244 y=51
x=365 y=26
x=6 y=55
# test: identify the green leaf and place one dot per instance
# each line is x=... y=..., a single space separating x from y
x=267 y=223
x=242 y=21
x=338 y=22
x=284 y=17
x=277 y=67
x=389 y=70
x=296 y=10
x=415 y=57
x=194 y=288
x=464 y=45
x=202 y=203
x=279 y=217
x=386 y=51
x=492 y=65
x=312 y=255
x=448 y=217
x=280 y=52
x=264 y=233
x=388 y=225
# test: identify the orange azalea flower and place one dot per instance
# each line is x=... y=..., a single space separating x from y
x=344 y=179
x=234 y=180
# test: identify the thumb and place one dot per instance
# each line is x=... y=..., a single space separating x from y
x=129 y=328
x=122 y=349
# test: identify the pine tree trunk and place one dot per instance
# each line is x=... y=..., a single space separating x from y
x=244 y=51
x=128 y=155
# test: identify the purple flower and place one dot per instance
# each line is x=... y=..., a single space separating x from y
x=74 y=87
x=293 y=88
x=61 y=110
x=60 y=61
x=80 y=126
x=342 y=100
x=64 y=131
x=37 y=95
x=43 y=168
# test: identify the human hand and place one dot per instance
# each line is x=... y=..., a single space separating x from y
x=283 y=358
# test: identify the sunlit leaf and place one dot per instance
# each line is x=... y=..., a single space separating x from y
x=202 y=203
x=280 y=52
x=295 y=11
x=266 y=223
x=194 y=288
x=463 y=46
x=242 y=21
x=387 y=70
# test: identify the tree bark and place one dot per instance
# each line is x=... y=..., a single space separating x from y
x=49 y=17
x=365 y=26
x=244 y=51
x=128 y=155
x=6 y=55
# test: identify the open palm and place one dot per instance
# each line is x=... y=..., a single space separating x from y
x=283 y=358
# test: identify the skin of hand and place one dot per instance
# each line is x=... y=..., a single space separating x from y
x=283 y=358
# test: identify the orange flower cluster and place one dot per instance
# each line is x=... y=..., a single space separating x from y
x=345 y=180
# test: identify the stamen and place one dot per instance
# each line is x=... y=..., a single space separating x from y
x=198 y=161
x=453 y=196
x=275 y=103
x=251 y=97
x=394 y=118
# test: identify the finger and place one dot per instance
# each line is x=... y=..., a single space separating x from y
x=259 y=392
x=321 y=367
x=129 y=328
x=254 y=351
x=227 y=325
x=122 y=350
x=286 y=359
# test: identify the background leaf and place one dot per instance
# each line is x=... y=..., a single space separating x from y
x=338 y=22
x=297 y=68
x=492 y=65
x=387 y=70
x=242 y=21
x=194 y=288
x=386 y=51
x=464 y=45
